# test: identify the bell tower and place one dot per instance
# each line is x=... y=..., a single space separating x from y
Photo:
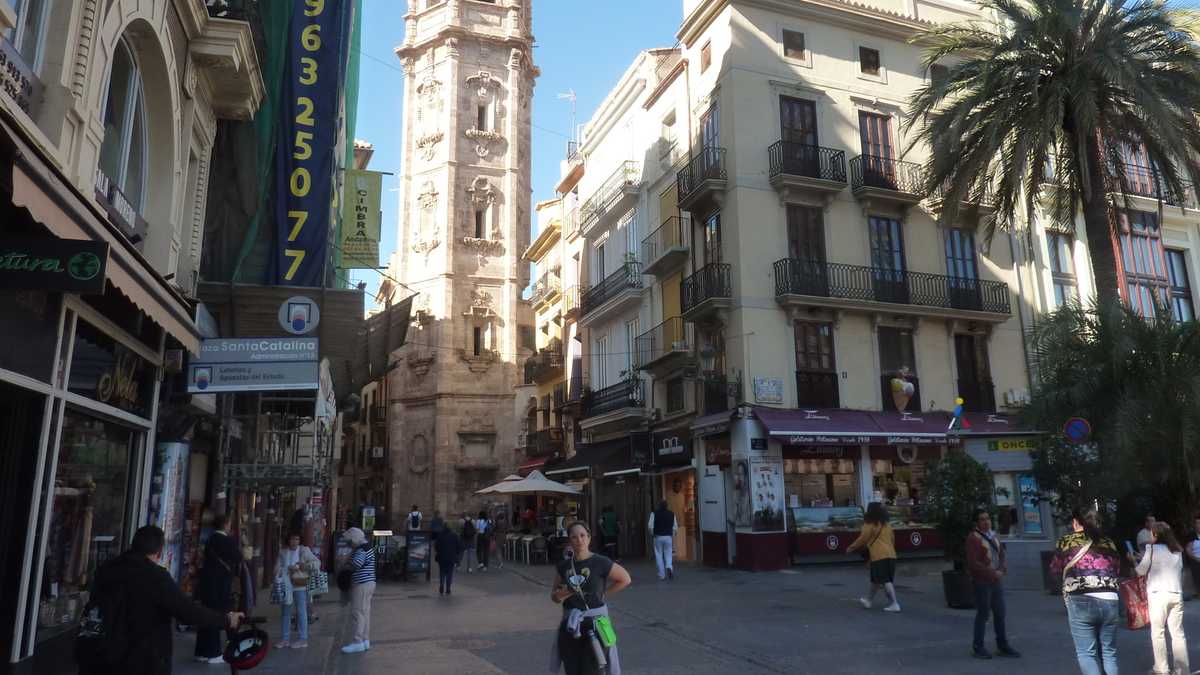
x=464 y=224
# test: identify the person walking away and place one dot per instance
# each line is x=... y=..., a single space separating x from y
x=1193 y=556
x=664 y=526
x=135 y=597
x=292 y=569
x=610 y=530
x=483 y=539
x=879 y=540
x=987 y=566
x=414 y=519
x=1090 y=567
x=1145 y=536
x=214 y=587
x=500 y=529
x=468 y=542
x=1162 y=565
x=436 y=524
x=583 y=603
x=362 y=588
x=448 y=549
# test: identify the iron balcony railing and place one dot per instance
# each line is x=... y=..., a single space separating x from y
x=817 y=389
x=987 y=198
x=885 y=173
x=1144 y=181
x=795 y=276
x=546 y=441
x=666 y=65
x=706 y=164
x=626 y=175
x=890 y=396
x=810 y=161
x=624 y=394
x=560 y=395
x=572 y=151
x=545 y=363
x=546 y=287
x=672 y=336
x=978 y=395
x=669 y=235
x=570 y=300
x=626 y=277
x=571 y=222
x=711 y=281
x=716 y=392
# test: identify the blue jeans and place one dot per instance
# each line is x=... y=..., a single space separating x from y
x=989 y=599
x=1094 y=629
x=299 y=604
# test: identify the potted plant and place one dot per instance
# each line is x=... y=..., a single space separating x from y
x=955 y=487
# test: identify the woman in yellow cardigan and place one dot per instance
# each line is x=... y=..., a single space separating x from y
x=878 y=539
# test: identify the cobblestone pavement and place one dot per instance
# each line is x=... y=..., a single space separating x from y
x=802 y=620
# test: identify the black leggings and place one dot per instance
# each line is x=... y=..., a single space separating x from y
x=576 y=654
x=482 y=547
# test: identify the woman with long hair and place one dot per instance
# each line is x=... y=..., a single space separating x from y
x=1162 y=565
x=583 y=583
x=1090 y=566
x=879 y=540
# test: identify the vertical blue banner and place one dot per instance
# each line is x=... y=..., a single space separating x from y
x=306 y=150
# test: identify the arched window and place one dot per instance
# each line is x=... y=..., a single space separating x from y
x=123 y=153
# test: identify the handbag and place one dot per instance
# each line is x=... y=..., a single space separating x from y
x=1136 y=599
x=318 y=583
x=278 y=592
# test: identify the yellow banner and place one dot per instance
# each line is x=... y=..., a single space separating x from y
x=1011 y=445
x=361 y=219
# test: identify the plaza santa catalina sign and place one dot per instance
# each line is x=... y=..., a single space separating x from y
x=71 y=265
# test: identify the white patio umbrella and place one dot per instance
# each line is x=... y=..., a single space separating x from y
x=533 y=484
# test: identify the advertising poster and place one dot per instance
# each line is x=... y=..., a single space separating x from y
x=418 y=551
x=1030 y=513
x=766 y=492
x=168 y=492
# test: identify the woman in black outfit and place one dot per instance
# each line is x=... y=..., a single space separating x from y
x=222 y=559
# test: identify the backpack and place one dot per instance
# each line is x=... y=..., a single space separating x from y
x=103 y=634
x=468 y=529
x=414 y=521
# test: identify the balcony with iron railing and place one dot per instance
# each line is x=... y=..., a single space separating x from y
x=817 y=389
x=974 y=199
x=627 y=395
x=547 y=289
x=544 y=442
x=1135 y=180
x=665 y=346
x=570 y=302
x=702 y=180
x=567 y=395
x=571 y=223
x=811 y=283
x=978 y=395
x=801 y=167
x=545 y=365
x=708 y=290
x=719 y=394
x=618 y=290
x=665 y=249
x=618 y=192
x=888 y=180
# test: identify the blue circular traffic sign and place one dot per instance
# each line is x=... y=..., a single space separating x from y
x=1077 y=430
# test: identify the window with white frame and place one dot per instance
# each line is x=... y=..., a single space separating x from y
x=631 y=333
x=666 y=135
x=600 y=363
x=1062 y=266
x=29 y=34
x=123 y=152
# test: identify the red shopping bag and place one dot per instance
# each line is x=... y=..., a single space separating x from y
x=1136 y=603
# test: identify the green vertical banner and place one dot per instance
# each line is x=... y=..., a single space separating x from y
x=361 y=219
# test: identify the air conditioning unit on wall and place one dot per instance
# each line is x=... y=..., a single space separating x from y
x=1016 y=397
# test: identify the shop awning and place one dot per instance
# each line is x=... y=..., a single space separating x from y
x=534 y=463
x=993 y=424
x=708 y=425
x=42 y=189
x=836 y=426
x=926 y=428
x=592 y=455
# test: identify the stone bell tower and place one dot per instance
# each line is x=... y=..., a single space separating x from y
x=464 y=223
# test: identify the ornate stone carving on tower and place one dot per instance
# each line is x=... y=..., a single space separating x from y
x=465 y=189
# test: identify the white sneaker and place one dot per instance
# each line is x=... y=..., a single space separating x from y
x=866 y=604
x=366 y=644
x=354 y=648
x=217 y=659
x=894 y=607
x=201 y=659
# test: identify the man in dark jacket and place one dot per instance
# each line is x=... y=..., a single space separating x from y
x=448 y=548
x=151 y=599
x=987 y=566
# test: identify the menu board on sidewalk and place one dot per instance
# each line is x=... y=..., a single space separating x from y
x=417 y=553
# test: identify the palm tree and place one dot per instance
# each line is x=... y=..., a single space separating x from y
x=1046 y=102
x=1137 y=380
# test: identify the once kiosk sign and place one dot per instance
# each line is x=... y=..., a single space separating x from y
x=72 y=265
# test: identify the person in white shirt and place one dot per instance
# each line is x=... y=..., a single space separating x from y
x=1162 y=565
x=414 y=519
x=664 y=525
x=1146 y=534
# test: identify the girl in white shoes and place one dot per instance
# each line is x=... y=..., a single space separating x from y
x=880 y=543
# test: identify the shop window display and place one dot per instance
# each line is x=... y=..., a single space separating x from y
x=821 y=483
x=88 y=516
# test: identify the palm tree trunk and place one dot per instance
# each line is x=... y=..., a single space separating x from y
x=1097 y=223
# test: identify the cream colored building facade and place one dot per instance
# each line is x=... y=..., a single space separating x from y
x=464 y=224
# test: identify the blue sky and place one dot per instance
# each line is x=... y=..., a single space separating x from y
x=583 y=46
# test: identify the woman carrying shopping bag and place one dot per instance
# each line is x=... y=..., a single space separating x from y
x=1162 y=565
x=292 y=571
x=1089 y=565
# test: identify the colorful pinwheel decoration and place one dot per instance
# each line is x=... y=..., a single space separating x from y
x=957 y=421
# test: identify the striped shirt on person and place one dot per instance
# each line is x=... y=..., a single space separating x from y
x=363 y=564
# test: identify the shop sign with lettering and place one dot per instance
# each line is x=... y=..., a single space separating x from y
x=107 y=371
x=1011 y=445
x=254 y=364
x=72 y=265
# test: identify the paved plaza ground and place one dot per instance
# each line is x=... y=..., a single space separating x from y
x=802 y=620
